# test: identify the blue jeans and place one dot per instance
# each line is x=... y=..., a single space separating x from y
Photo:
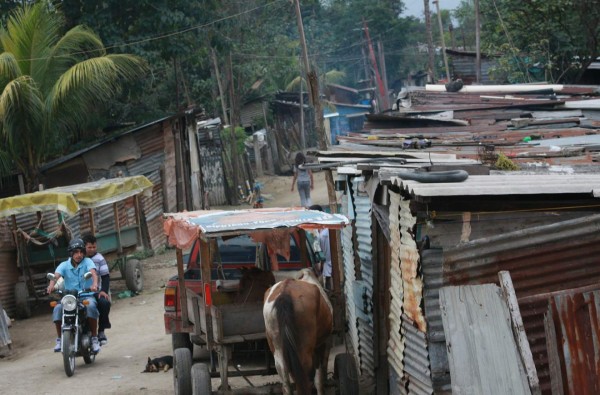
x=304 y=191
x=91 y=309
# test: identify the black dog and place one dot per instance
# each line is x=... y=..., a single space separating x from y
x=162 y=363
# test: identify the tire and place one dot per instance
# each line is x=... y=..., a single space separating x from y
x=201 y=384
x=134 y=277
x=346 y=374
x=88 y=356
x=182 y=371
x=23 y=310
x=68 y=352
x=181 y=340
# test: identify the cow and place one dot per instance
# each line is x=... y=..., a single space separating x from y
x=298 y=323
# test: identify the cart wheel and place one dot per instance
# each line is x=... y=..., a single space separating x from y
x=201 y=384
x=346 y=374
x=22 y=300
x=182 y=374
x=181 y=340
x=134 y=277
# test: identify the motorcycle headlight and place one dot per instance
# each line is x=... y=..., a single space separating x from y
x=69 y=302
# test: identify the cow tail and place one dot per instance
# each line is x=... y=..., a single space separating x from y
x=284 y=308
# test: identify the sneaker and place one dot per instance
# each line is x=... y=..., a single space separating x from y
x=95 y=345
x=102 y=338
x=57 y=345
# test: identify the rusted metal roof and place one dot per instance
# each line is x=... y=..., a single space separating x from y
x=514 y=124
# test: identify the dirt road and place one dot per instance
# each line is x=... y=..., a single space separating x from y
x=137 y=333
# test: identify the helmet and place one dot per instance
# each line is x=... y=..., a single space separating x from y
x=76 y=244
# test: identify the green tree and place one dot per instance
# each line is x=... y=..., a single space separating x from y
x=550 y=40
x=49 y=84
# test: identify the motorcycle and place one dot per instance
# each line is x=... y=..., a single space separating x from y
x=76 y=339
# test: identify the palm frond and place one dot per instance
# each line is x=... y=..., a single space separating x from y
x=77 y=44
x=30 y=32
x=22 y=115
x=91 y=81
x=9 y=69
x=334 y=77
x=294 y=85
x=5 y=164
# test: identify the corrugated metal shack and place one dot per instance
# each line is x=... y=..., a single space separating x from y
x=181 y=157
x=413 y=238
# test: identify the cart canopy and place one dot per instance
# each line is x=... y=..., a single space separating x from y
x=183 y=228
x=70 y=199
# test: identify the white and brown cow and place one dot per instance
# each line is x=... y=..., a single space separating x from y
x=298 y=321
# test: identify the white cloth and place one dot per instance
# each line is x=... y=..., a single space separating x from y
x=325 y=248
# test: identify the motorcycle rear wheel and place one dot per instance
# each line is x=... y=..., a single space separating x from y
x=68 y=352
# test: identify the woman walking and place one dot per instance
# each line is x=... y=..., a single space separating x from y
x=304 y=177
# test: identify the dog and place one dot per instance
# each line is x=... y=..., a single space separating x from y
x=162 y=363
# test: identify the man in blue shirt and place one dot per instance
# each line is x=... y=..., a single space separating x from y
x=73 y=270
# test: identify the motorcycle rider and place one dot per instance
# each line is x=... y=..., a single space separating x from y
x=102 y=298
x=73 y=270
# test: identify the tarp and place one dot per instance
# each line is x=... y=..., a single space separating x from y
x=183 y=228
x=72 y=198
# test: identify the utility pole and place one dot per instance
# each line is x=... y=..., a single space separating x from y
x=313 y=90
x=302 y=134
x=439 y=16
x=477 y=44
x=381 y=56
x=213 y=55
x=235 y=163
x=430 y=52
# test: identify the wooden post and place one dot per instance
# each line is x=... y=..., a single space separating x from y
x=313 y=89
x=92 y=222
x=205 y=270
x=118 y=229
x=519 y=331
x=439 y=17
x=430 y=52
x=257 y=157
x=219 y=85
x=138 y=218
x=182 y=291
x=477 y=43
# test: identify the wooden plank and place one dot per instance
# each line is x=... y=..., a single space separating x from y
x=482 y=353
x=518 y=328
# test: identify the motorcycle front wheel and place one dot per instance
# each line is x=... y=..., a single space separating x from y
x=68 y=352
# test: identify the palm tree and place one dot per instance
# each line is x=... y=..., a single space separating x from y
x=49 y=83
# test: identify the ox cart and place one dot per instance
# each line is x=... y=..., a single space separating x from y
x=59 y=214
x=221 y=321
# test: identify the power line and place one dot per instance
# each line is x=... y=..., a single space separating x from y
x=162 y=36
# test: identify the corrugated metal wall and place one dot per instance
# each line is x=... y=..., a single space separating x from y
x=431 y=264
x=153 y=160
x=540 y=260
x=574 y=324
x=349 y=273
x=211 y=161
x=396 y=345
x=363 y=289
x=8 y=278
x=408 y=349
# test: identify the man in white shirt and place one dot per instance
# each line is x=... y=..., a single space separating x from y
x=103 y=297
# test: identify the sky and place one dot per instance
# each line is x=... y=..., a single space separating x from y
x=415 y=7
